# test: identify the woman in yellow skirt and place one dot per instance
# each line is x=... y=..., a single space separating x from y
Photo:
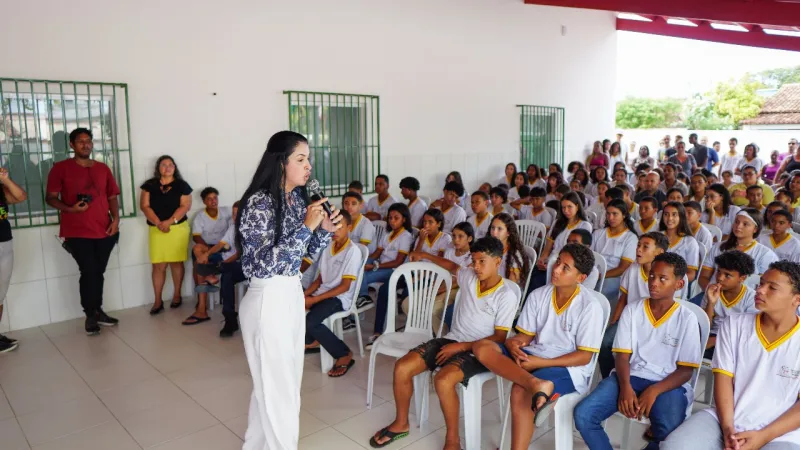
x=165 y=200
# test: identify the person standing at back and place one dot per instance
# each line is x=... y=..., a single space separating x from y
x=10 y=193
x=85 y=192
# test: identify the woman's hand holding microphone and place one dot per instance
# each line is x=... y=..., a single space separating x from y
x=316 y=216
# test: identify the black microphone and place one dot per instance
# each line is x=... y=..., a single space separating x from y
x=315 y=192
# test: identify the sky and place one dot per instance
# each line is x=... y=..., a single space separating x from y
x=659 y=66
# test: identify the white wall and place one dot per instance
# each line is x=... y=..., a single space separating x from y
x=448 y=72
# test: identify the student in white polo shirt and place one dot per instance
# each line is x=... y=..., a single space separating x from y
x=756 y=375
x=361 y=230
x=720 y=210
x=378 y=206
x=432 y=238
x=560 y=329
x=648 y=208
x=694 y=211
x=333 y=292
x=485 y=310
x=536 y=210
x=453 y=213
x=781 y=240
x=481 y=218
x=617 y=244
x=417 y=206
x=675 y=226
x=656 y=350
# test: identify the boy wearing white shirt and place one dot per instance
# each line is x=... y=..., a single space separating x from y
x=780 y=240
x=657 y=348
x=482 y=218
x=647 y=222
x=333 y=292
x=756 y=374
x=378 y=206
x=453 y=213
x=560 y=328
x=599 y=207
x=361 y=231
x=536 y=210
x=485 y=310
x=408 y=189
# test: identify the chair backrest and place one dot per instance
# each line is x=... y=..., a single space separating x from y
x=703 y=253
x=530 y=231
x=592 y=216
x=423 y=280
x=715 y=231
x=753 y=280
x=606 y=307
x=705 y=329
x=552 y=212
x=360 y=278
x=380 y=230
x=532 y=257
x=602 y=267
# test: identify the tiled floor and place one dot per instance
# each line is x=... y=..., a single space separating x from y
x=152 y=383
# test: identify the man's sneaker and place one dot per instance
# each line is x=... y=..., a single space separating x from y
x=7 y=346
x=104 y=320
x=363 y=301
x=92 y=328
x=231 y=326
x=348 y=324
x=7 y=339
x=370 y=342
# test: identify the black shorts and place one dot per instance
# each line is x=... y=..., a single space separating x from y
x=466 y=361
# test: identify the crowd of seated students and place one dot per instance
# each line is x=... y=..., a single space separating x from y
x=654 y=227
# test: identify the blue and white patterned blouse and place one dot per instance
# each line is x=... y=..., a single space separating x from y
x=261 y=257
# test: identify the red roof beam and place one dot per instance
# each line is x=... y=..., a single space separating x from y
x=763 y=12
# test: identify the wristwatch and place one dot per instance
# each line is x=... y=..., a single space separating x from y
x=375 y=266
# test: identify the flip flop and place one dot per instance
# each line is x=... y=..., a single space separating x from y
x=386 y=433
x=346 y=368
x=196 y=320
x=542 y=413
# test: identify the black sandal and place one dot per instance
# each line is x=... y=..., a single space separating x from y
x=196 y=320
x=175 y=304
x=385 y=433
x=346 y=368
x=542 y=413
x=154 y=311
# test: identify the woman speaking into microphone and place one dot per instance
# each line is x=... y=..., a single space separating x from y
x=277 y=225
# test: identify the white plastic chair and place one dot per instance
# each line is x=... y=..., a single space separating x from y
x=715 y=231
x=752 y=281
x=553 y=212
x=380 y=231
x=471 y=396
x=592 y=216
x=703 y=253
x=423 y=280
x=602 y=267
x=334 y=321
x=796 y=227
x=214 y=297
x=532 y=257
x=531 y=232
x=705 y=328
x=561 y=417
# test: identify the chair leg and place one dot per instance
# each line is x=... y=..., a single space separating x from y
x=626 y=434
x=471 y=399
x=421 y=396
x=358 y=331
x=503 y=444
x=562 y=423
x=371 y=377
x=500 y=394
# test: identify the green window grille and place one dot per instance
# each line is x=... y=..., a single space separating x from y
x=36 y=117
x=541 y=135
x=343 y=132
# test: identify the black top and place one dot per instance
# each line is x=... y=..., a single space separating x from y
x=5 y=225
x=700 y=153
x=165 y=199
x=792 y=165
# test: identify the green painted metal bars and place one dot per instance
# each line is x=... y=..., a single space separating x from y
x=343 y=132
x=36 y=117
x=541 y=135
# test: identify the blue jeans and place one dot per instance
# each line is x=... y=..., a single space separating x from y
x=606 y=358
x=317 y=331
x=667 y=413
x=611 y=291
x=378 y=276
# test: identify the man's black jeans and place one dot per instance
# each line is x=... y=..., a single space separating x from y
x=231 y=275
x=92 y=257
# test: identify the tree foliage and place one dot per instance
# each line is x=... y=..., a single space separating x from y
x=775 y=78
x=737 y=100
x=700 y=114
x=634 y=112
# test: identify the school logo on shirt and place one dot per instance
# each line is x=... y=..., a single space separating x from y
x=788 y=372
x=671 y=341
x=489 y=309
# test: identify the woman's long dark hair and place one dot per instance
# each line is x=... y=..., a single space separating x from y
x=524 y=178
x=683 y=223
x=732 y=241
x=456 y=175
x=723 y=192
x=536 y=170
x=270 y=178
x=559 y=181
x=157 y=173
x=585 y=180
x=561 y=219
x=593 y=175
x=611 y=149
x=515 y=248
x=626 y=214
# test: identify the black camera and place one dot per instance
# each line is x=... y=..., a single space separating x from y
x=84 y=198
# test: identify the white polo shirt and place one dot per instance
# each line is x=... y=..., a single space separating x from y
x=703 y=236
x=600 y=211
x=382 y=208
x=743 y=303
x=766 y=374
x=436 y=245
x=452 y=216
x=544 y=216
x=615 y=248
x=463 y=260
x=561 y=239
x=478 y=314
x=761 y=254
x=724 y=223
x=633 y=283
x=658 y=347
x=515 y=267
x=578 y=325
x=634 y=211
x=641 y=229
x=337 y=266
x=417 y=209
x=788 y=248
x=362 y=230
x=211 y=229
x=481 y=228
x=688 y=249
x=395 y=243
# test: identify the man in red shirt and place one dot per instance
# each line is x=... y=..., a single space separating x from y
x=85 y=192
